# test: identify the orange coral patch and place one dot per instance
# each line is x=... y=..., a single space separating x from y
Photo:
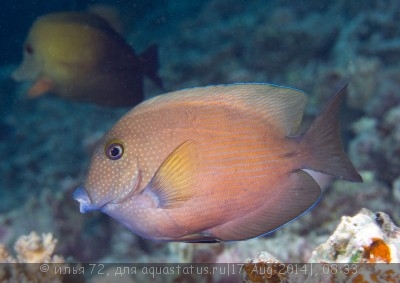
x=359 y=279
x=378 y=251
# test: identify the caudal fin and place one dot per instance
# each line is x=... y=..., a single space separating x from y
x=322 y=143
x=150 y=64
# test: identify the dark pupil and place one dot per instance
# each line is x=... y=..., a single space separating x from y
x=114 y=151
x=29 y=49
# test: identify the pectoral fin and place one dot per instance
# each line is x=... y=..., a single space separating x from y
x=174 y=182
x=40 y=87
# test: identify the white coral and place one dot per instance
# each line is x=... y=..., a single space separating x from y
x=35 y=249
x=30 y=249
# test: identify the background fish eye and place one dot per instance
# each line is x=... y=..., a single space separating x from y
x=28 y=49
x=114 y=149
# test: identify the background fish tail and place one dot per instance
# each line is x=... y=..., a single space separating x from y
x=323 y=146
x=150 y=64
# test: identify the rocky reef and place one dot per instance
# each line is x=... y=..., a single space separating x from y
x=363 y=248
x=366 y=237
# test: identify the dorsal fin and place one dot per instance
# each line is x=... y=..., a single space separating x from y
x=80 y=18
x=279 y=105
x=174 y=181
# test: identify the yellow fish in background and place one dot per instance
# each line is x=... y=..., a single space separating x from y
x=216 y=163
x=78 y=56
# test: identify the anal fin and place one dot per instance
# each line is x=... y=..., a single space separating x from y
x=293 y=197
x=198 y=238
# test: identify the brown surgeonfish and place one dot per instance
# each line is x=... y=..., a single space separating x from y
x=78 y=56
x=216 y=163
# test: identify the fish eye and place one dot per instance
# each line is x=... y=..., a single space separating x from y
x=114 y=149
x=28 y=49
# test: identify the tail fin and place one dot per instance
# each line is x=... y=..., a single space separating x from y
x=322 y=143
x=150 y=64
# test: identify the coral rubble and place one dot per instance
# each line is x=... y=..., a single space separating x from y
x=365 y=238
x=360 y=250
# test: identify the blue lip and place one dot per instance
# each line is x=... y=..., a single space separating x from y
x=82 y=197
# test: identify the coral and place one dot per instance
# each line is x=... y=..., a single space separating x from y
x=377 y=145
x=362 y=72
x=377 y=251
x=265 y=268
x=35 y=249
x=370 y=34
x=396 y=189
x=30 y=249
x=5 y=255
x=365 y=238
x=283 y=54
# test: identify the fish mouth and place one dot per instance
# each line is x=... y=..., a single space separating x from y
x=85 y=204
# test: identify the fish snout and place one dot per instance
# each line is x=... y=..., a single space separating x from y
x=85 y=204
x=17 y=75
x=29 y=70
